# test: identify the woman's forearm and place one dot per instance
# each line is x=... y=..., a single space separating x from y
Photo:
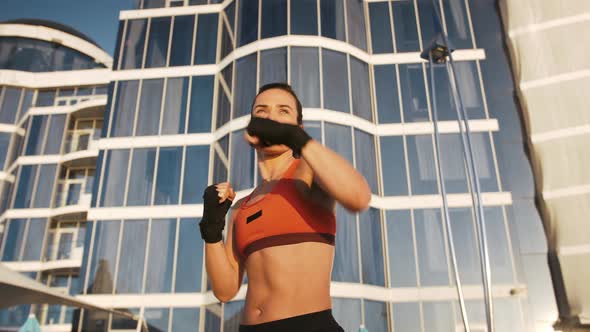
x=224 y=278
x=337 y=176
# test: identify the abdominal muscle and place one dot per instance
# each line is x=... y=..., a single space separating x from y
x=286 y=281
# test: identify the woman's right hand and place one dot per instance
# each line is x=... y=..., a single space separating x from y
x=217 y=200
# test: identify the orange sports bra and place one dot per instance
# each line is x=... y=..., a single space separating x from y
x=283 y=216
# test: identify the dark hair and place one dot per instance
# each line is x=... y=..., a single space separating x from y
x=285 y=87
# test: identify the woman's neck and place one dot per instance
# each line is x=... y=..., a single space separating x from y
x=273 y=167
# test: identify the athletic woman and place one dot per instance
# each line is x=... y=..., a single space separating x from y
x=282 y=234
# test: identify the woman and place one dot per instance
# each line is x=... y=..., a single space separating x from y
x=283 y=233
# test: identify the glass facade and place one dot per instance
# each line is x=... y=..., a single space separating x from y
x=165 y=135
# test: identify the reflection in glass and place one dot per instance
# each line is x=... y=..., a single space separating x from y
x=422 y=165
x=335 y=79
x=388 y=107
x=375 y=316
x=499 y=250
x=245 y=87
x=132 y=256
x=181 y=47
x=393 y=166
x=360 y=88
x=142 y=177
x=10 y=103
x=104 y=257
x=232 y=315
x=356 y=24
x=173 y=119
x=380 y=27
x=273 y=66
x=304 y=17
x=133 y=45
x=201 y=104
x=457 y=23
x=432 y=258
x=247 y=22
x=24 y=192
x=305 y=74
x=168 y=178
x=15 y=236
x=36 y=133
x=274 y=18
x=157 y=49
x=400 y=239
x=212 y=317
x=465 y=245
x=196 y=165
x=148 y=119
x=404 y=21
x=223 y=107
x=242 y=162
x=124 y=112
x=55 y=135
x=206 y=44
x=406 y=317
x=161 y=256
x=189 y=262
x=332 y=19
x=45 y=98
x=371 y=247
x=366 y=163
x=347 y=313
x=45 y=184
x=115 y=175
x=185 y=319
x=413 y=93
x=346 y=264
x=157 y=319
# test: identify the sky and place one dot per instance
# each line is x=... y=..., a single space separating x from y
x=97 y=19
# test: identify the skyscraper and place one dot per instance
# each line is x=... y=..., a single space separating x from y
x=182 y=80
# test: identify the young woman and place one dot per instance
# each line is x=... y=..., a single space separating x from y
x=283 y=233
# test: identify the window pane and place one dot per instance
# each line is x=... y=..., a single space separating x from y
x=157 y=319
x=104 y=257
x=132 y=255
x=406 y=317
x=161 y=256
x=201 y=104
x=304 y=17
x=153 y=4
x=55 y=135
x=305 y=74
x=24 y=193
x=180 y=50
x=9 y=106
x=227 y=45
x=404 y=22
x=242 y=162
x=339 y=139
x=393 y=166
x=35 y=236
x=247 y=22
x=174 y=116
x=36 y=137
x=332 y=19
x=219 y=169
x=422 y=166
x=497 y=239
x=212 y=318
x=45 y=98
x=371 y=247
x=115 y=175
x=142 y=177
x=232 y=315
x=26 y=103
x=206 y=45
x=245 y=87
x=388 y=107
x=413 y=93
x=457 y=24
x=438 y=316
x=45 y=183
x=375 y=316
x=402 y=261
x=273 y=66
x=465 y=243
x=189 y=261
x=453 y=163
x=355 y=14
x=314 y=129
x=4 y=145
x=157 y=49
x=366 y=162
x=335 y=76
x=360 y=87
x=168 y=180
x=15 y=236
x=133 y=45
x=274 y=18
x=124 y=323
x=124 y=112
x=223 y=107
x=185 y=319
x=346 y=264
x=432 y=259
x=196 y=170
x=150 y=103
x=380 y=27
x=347 y=313
x=230 y=12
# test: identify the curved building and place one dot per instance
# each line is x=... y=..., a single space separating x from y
x=183 y=77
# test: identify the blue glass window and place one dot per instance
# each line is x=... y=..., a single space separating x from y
x=15 y=237
x=26 y=103
x=115 y=176
x=497 y=233
x=355 y=15
x=148 y=119
x=196 y=170
x=422 y=165
x=132 y=256
x=245 y=88
x=95 y=182
x=168 y=178
x=393 y=166
x=304 y=17
x=189 y=262
x=457 y=23
x=4 y=144
x=247 y=22
x=133 y=45
x=157 y=318
x=305 y=75
x=227 y=44
x=404 y=21
x=223 y=107
x=153 y=4
x=37 y=131
x=181 y=48
x=438 y=316
x=406 y=316
x=45 y=98
x=157 y=49
x=347 y=313
x=10 y=103
x=366 y=163
x=230 y=12
x=273 y=66
x=388 y=108
x=413 y=93
x=402 y=260
x=104 y=257
x=432 y=259
x=274 y=18
x=339 y=139
x=118 y=42
x=124 y=112
x=466 y=250
x=35 y=237
x=201 y=104
x=376 y=316
x=371 y=247
x=335 y=77
x=55 y=135
x=332 y=19
x=44 y=191
x=346 y=263
x=24 y=192
x=206 y=44
x=142 y=177
x=232 y=315
x=161 y=256
x=174 y=117
x=185 y=319
x=380 y=27
x=242 y=162
x=219 y=169
x=360 y=88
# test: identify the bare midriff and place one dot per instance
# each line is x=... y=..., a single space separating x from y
x=287 y=281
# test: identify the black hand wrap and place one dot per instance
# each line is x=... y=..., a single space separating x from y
x=213 y=220
x=271 y=133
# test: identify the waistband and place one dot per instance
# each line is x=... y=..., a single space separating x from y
x=320 y=320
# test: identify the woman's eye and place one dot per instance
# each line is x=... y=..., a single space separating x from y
x=284 y=111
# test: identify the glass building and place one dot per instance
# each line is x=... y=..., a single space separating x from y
x=114 y=216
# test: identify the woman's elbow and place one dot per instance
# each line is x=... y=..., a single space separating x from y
x=224 y=296
x=361 y=200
